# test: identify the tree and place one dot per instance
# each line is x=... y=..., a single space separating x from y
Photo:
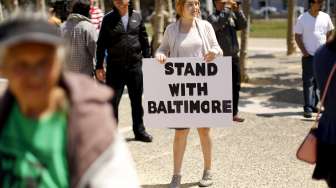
x=158 y=24
x=108 y=5
x=1 y=13
x=209 y=6
x=170 y=11
x=40 y=5
x=291 y=48
x=136 y=4
x=11 y=5
x=244 y=41
x=101 y=5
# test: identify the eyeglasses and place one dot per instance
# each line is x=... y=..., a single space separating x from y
x=24 y=68
x=191 y=4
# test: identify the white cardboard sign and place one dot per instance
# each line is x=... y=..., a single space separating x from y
x=187 y=93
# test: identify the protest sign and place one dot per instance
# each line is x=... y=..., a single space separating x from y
x=187 y=92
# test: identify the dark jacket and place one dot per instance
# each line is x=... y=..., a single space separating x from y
x=226 y=24
x=89 y=143
x=123 y=47
x=324 y=60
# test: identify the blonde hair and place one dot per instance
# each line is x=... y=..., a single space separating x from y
x=179 y=5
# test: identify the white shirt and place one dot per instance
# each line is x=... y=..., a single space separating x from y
x=206 y=33
x=313 y=30
x=124 y=20
x=189 y=44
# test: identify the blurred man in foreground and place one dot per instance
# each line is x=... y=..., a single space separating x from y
x=55 y=129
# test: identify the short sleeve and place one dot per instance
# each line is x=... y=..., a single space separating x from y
x=298 y=29
x=330 y=24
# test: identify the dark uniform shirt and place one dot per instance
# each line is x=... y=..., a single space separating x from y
x=226 y=23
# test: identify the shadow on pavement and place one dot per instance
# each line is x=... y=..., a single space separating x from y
x=244 y=102
x=309 y=119
x=293 y=96
x=185 y=185
x=131 y=140
x=258 y=90
x=279 y=114
x=262 y=56
x=286 y=95
x=277 y=80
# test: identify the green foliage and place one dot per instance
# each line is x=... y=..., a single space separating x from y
x=149 y=29
x=273 y=28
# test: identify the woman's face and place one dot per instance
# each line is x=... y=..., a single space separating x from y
x=32 y=70
x=191 y=9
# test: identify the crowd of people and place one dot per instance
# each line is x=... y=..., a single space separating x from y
x=66 y=77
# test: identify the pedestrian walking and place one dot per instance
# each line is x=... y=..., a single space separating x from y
x=56 y=129
x=82 y=36
x=123 y=36
x=312 y=30
x=190 y=37
x=325 y=169
x=226 y=21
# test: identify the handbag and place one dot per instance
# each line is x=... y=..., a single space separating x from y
x=307 y=151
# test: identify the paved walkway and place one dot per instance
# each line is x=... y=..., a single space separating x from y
x=274 y=86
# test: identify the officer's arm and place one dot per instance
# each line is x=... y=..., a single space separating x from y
x=101 y=45
x=143 y=37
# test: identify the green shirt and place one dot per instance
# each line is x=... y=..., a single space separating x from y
x=33 y=151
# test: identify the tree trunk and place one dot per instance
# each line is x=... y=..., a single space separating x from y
x=158 y=24
x=108 y=5
x=1 y=12
x=11 y=5
x=170 y=11
x=41 y=6
x=102 y=5
x=136 y=4
x=291 y=48
x=209 y=6
x=244 y=41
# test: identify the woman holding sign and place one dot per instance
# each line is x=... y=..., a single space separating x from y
x=190 y=37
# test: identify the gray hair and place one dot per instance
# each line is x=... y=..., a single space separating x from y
x=27 y=14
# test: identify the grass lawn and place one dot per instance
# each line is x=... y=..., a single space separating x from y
x=275 y=28
x=260 y=28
